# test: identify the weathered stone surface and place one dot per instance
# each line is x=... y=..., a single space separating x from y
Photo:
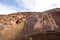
x=31 y=25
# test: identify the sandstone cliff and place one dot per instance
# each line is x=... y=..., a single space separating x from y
x=31 y=25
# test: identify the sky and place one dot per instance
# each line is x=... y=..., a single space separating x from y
x=12 y=6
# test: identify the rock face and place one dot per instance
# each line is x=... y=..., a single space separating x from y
x=31 y=25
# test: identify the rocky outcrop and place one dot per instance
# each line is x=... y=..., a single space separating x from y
x=31 y=25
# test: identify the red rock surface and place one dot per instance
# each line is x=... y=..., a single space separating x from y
x=31 y=25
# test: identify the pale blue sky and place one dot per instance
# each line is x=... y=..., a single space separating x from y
x=11 y=6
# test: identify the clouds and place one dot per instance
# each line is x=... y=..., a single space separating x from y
x=27 y=5
x=6 y=9
x=37 y=5
x=9 y=2
x=42 y=5
x=10 y=6
x=58 y=3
